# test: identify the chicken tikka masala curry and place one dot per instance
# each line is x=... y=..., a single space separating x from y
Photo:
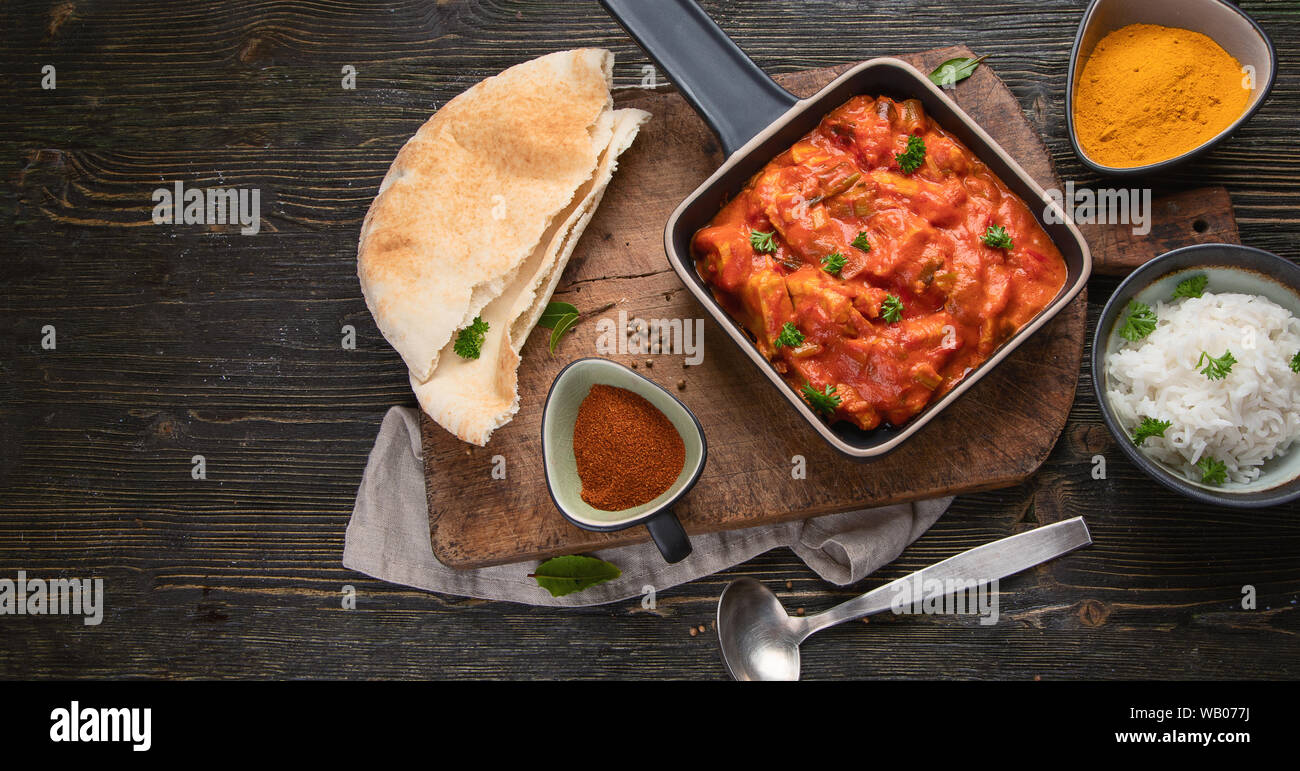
x=877 y=262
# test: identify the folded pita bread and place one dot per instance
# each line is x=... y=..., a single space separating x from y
x=478 y=217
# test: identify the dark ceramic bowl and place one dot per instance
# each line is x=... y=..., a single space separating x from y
x=1230 y=268
x=1223 y=22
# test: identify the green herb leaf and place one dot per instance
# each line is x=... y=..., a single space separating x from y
x=1141 y=322
x=891 y=309
x=469 y=341
x=834 y=263
x=790 y=336
x=1216 y=369
x=554 y=313
x=566 y=575
x=763 y=242
x=1192 y=287
x=861 y=242
x=1148 y=428
x=1213 y=472
x=997 y=237
x=1295 y=362
x=911 y=159
x=563 y=325
x=954 y=71
x=823 y=402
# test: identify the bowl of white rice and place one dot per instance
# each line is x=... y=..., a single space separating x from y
x=1196 y=365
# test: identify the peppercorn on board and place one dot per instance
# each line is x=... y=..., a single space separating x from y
x=996 y=436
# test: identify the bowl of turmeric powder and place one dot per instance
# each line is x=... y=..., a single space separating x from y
x=1155 y=83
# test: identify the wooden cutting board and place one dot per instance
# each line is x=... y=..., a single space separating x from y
x=996 y=435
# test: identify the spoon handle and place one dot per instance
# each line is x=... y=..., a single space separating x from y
x=981 y=565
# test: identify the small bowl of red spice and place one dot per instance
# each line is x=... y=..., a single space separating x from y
x=620 y=451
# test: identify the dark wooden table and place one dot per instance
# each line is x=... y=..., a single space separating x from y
x=181 y=341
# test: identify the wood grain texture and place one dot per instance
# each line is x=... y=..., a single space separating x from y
x=177 y=341
x=1200 y=216
x=996 y=435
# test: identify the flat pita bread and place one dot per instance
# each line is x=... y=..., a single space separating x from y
x=478 y=216
x=473 y=397
x=470 y=195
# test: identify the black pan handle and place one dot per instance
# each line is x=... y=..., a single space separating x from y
x=669 y=536
x=723 y=84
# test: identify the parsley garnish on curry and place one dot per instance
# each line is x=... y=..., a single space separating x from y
x=903 y=321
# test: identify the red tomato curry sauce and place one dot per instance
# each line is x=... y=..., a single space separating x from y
x=876 y=286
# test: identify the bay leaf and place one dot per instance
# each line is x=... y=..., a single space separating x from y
x=554 y=313
x=954 y=71
x=573 y=573
x=563 y=325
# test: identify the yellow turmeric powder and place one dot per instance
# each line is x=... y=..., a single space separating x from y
x=1150 y=93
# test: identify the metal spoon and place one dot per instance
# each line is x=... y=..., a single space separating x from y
x=760 y=640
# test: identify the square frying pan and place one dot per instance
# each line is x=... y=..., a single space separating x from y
x=756 y=120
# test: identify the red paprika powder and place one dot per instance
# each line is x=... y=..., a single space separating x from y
x=628 y=452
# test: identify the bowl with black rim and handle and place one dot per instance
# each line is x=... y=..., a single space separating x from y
x=559 y=415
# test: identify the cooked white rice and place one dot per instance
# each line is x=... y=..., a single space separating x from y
x=1245 y=419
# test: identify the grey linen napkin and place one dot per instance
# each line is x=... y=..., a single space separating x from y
x=388 y=538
